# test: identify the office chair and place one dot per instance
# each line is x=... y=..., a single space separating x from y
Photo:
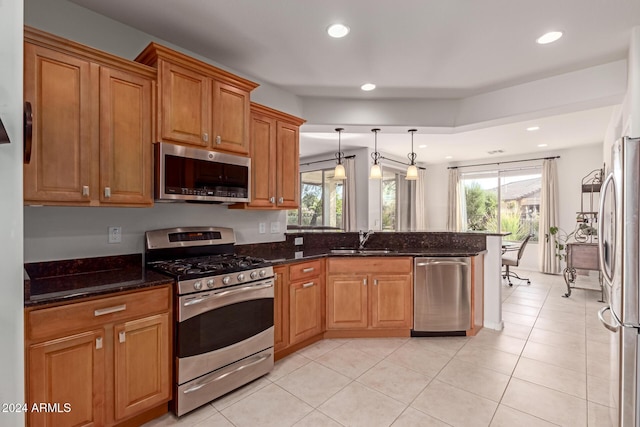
x=514 y=262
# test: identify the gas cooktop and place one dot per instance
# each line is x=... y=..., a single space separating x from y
x=211 y=265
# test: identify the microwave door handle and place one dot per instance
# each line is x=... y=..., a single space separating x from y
x=605 y=186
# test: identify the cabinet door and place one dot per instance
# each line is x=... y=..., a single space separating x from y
x=141 y=364
x=185 y=105
x=230 y=118
x=126 y=150
x=391 y=301
x=305 y=310
x=263 y=158
x=287 y=166
x=68 y=370
x=281 y=308
x=347 y=302
x=62 y=90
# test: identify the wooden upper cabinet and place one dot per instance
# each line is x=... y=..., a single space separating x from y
x=199 y=104
x=126 y=149
x=92 y=125
x=184 y=103
x=60 y=89
x=274 y=150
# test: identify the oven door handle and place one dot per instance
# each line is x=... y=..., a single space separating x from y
x=255 y=361
x=229 y=292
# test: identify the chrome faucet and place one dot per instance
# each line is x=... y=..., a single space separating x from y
x=363 y=237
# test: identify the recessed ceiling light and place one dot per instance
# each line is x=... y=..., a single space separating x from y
x=422 y=146
x=533 y=128
x=338 y=30
x=448 y=157
x=542 y=145
x=549 y=37
x=368 y=86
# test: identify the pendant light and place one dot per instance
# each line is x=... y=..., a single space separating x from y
x=339 y=172
x=412 y=170
x=376 y=171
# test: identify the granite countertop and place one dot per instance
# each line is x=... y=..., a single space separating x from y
x=288 y=256
x=57 y=281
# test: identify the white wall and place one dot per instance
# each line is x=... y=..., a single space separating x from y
x=53 y=233
x=11 y=280
x=632 y=120
x=573 y=165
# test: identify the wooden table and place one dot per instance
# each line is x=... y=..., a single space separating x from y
x=581 y=256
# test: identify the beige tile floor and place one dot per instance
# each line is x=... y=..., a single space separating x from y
x=549 y=366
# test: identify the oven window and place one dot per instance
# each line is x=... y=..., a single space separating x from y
x=224 y=326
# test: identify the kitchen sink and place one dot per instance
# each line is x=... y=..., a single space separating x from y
x=346 y=251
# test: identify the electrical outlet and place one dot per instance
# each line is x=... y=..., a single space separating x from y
x=275 y=227
x=115 y=234
x=262 y=227
x=298 y=241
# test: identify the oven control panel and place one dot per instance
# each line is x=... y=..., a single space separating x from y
x=221 y=281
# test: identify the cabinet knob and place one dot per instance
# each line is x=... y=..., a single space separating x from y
x=85 y=190
x=364 y=282
x=218 y=139
x=122 y=336
x=107 y=192
x=205 y=137
x=308 y=285
x=98 y=343
x=272 y=199
x=375 y=282
x=280 y=199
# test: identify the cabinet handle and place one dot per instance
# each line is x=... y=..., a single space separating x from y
x=122 y=336
x=85 y=190
x=98 y=343
x=109 y=310
x=107 y=192
x=375 y=282
x=218 y=140
x=308 y=285
x=205 y=137
x=308 y=270
x=280 y=199
x=364 y=282
x=272 y=199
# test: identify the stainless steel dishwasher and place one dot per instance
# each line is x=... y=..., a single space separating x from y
x=441 y=296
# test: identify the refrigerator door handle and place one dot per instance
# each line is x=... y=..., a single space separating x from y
x=609 y=326
x=605 y=274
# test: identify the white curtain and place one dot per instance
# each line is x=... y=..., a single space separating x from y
x=420 y=205
x=456 y=215
x=349 y=202
x=547 y=260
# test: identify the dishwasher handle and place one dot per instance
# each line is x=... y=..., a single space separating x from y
x=423 y=264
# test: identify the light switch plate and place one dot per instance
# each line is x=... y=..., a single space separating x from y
x=275 y=227
x=298 y=241
x=262 y=227
x=115 y=234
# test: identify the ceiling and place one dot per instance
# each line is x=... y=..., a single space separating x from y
x=411 y=49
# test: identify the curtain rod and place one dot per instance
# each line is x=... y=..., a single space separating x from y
x=327 y=160
x=502 y=163
x=402 y=163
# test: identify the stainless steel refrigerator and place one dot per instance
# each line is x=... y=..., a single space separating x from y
x=618 y=239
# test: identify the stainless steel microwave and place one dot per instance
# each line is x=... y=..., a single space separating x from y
x=193 y=174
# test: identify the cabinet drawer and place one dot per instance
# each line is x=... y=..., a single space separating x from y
x=370 y=265
x=62 y=319
x=304 y=270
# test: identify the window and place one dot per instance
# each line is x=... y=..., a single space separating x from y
x=505 y=200
x=398 y=198
x=321 y=199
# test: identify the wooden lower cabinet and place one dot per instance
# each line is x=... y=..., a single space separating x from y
x=281 y=308
x=305 y=309
x=107 y=365
x=369 y=293
x=68 y=370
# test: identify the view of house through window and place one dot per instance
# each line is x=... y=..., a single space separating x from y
x=398 y=199
x=321 y=199
x=506 y=200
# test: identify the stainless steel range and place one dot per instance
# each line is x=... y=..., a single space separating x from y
x=224 y=311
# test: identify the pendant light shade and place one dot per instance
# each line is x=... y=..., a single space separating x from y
x=412 y=170
x=339 y=172
x=376 y=170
